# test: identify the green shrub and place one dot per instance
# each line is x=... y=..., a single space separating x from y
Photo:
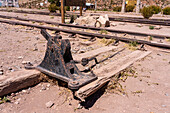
x=52 y=8
x=67 y=8
x=151 y=27
x=129 y=8
x=155 y=9
x=117 y=9
x=147 y=12
x=105 y=9
x=166 y=11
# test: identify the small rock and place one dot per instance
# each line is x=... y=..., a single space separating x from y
x=113 y=24
x=79 y=106
x=13 y=94
x=26 y=62
x=20 y=57
x=37 y=38
x=24 y=91
x=49 y=104
x=43 y=88
x=166 y=94
x=139 y=25
x=158 y=27
x=9 y=68
x=163 y=105
x=97 y=66
x=48 y=85
x=35 y=49
x=16 y=102
x=1 y=73
x=82 y=51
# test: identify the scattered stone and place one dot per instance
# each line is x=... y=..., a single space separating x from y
x=158 y=27
x=25 y=62
x=35 y=49
x=48 y=85
x=163 y=105
x=1 y=71
x=37 y=38
x=43 y=88
x=20 y=57
x=113 y=24
x=161 y=41
x=49 y=104
x=166 y=94
x=13 y=94
x=139 y=25
x=79 y=106
x=16 y=102
x=9 y=68
x=82 y=51
x=97 y=66
x=24 y=91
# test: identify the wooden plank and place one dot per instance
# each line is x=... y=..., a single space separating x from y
x=18 y=80
x=91 y=88
x=93 y=53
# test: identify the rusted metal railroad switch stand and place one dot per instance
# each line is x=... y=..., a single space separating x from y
x=58 y=63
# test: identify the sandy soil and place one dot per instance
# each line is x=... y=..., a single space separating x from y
x=145 y=92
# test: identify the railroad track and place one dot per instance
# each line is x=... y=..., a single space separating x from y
x=88 y=27
x=89 y=34
x=165 y=22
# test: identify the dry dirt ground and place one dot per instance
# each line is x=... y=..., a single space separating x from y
x=147 y=91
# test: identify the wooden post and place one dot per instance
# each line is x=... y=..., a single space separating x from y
x=81 y=9
x=62 y=12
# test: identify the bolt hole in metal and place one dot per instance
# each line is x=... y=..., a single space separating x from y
x=72 y=70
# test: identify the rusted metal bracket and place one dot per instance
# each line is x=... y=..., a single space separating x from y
x=58 y=63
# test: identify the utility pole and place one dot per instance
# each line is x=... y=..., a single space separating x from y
x=123 y=6
x=62 y=12
x=138 y=6
x=81 y=9
x=95 y=5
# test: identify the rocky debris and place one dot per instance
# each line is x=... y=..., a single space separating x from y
x=139 y=25
x=94 y=21
x=87 y=21
x=157 y=27
x=49 y=104
x=104 y=21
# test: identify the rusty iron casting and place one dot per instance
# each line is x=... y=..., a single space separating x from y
x=58 y=62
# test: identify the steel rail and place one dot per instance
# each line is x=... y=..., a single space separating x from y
x=161 y=45
x=88 y=27
x=122 y=19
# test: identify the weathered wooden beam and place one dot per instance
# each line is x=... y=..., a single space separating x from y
x=93 y=53
x=114 y=69
x=161 y=45
x=18 y=80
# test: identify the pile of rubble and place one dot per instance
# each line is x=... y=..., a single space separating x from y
x=93 y=21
